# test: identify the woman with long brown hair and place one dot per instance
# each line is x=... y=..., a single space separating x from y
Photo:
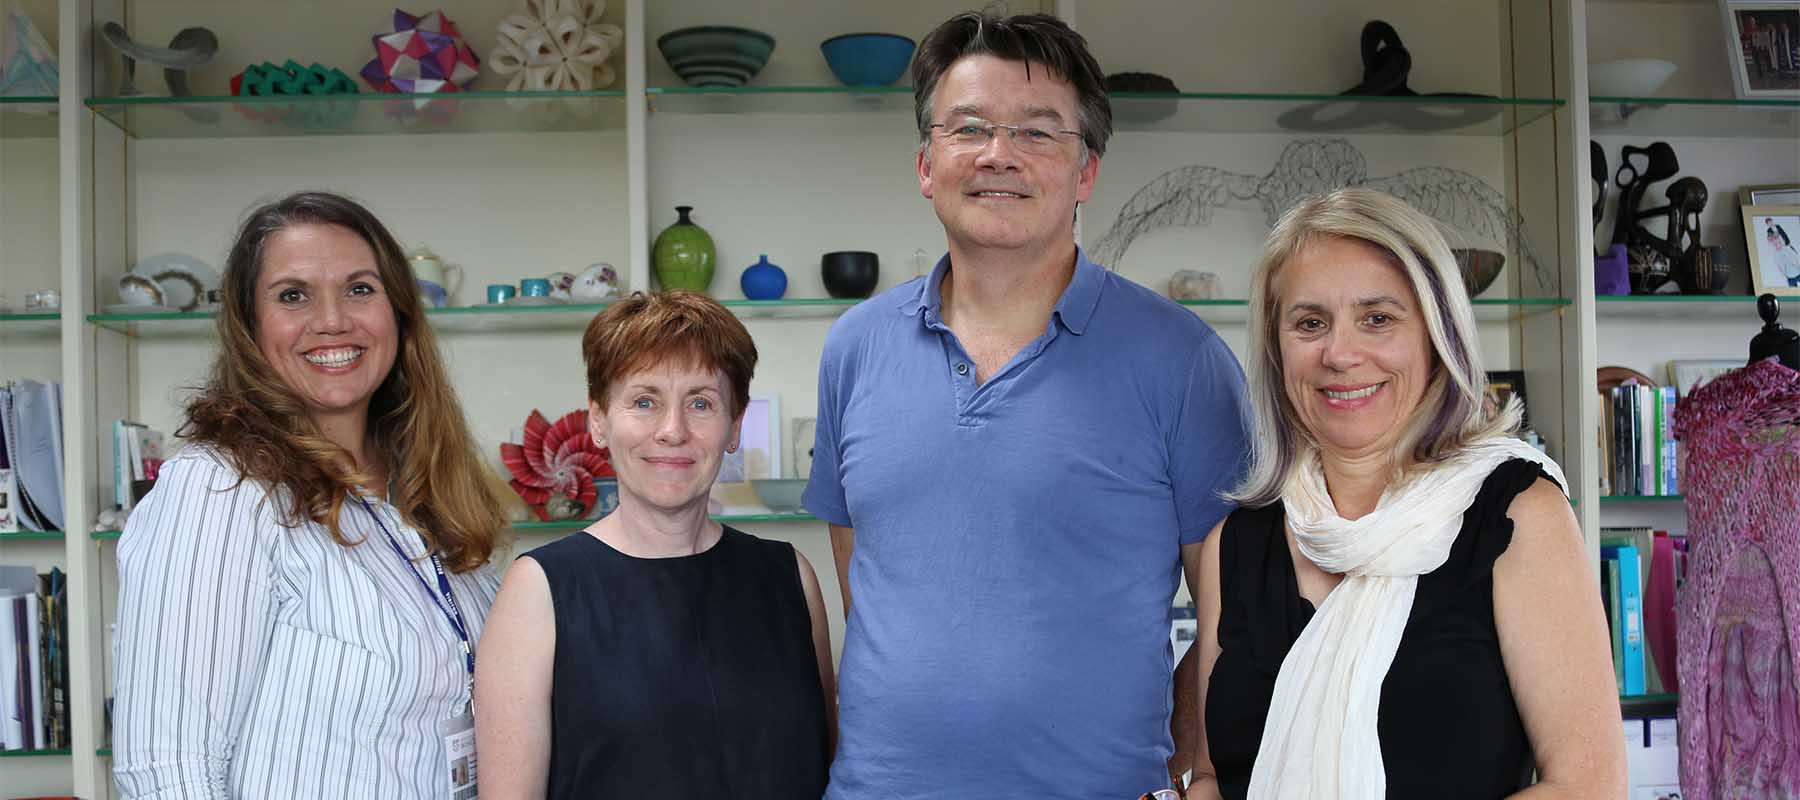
x=301 y=593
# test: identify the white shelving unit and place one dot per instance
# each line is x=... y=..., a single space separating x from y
x=510 y=187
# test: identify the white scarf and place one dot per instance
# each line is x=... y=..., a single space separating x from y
x=1320 y=739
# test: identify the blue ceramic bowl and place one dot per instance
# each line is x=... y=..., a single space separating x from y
x=867 y=59
x=716 y=55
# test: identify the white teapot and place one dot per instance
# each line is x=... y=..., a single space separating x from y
x=598 y=282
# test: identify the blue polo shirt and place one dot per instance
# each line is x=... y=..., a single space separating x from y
x=1018 y=541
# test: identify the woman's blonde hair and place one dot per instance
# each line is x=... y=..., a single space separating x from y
x=1450 y=415
x=257 y=422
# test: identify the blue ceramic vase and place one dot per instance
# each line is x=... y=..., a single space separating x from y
x=763 y=281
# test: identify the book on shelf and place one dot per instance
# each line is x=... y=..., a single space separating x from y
x=31 y=438
x=1626 y=588
x=34 y=668
x=1659 y=562
x=1639 y=455
x=137 y=458
x=1609 y=597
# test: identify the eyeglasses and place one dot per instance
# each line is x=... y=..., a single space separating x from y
x=974 y=133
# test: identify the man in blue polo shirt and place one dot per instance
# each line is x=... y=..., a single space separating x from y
x=1017 y=455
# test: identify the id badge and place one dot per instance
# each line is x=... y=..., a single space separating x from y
x=458 y=734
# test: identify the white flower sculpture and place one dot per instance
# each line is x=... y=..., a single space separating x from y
x=557 y=45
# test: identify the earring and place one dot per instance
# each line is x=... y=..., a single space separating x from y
x=731 y=448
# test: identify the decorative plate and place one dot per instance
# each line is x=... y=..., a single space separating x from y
x=184 y=279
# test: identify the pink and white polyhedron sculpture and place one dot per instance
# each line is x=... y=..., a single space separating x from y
x=423 y=54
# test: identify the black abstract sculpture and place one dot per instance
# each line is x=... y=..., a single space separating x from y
x=1597 y=178
x=1187 y=196
x=1386 y=65
x=1677 y=254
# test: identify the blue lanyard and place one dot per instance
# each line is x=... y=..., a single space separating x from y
x=447 y=607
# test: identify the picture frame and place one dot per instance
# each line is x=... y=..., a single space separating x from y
x=1502 y=386
x=758 y=454
x=1772 y=242
x=1762 y=47
x=1687 y=373
x=1779 y=194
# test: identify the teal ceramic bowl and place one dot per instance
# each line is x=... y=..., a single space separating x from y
x=867 y=59
x=716 y=55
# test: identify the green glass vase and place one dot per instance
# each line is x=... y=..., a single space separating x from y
x=683 y=255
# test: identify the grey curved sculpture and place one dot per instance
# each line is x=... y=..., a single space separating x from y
x=1187 y=196
x=191 y=47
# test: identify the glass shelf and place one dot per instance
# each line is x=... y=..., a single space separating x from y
x=371 y=113
x=29 y=753
x=893 y=100
x=480 y=319
x=30 y=535
x=1678 y=307
x=27 y=117
x=1132 y=111
x=30 y=326
x=565 y=526
x=1486 y=309
x=1632 y=499
x=1640 y=706
x=1214 y=112
x=1694 y=116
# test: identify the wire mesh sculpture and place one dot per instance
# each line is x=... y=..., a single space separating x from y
x=1188 y=196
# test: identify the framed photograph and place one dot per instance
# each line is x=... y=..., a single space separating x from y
x=1781 y=194
x=1502 y=387
x=1687 y=373
x=802 y=431
x=1762 y=47
x=759 y=447
x=1772 y=239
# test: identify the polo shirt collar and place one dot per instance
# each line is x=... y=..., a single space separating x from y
x=1075 y=308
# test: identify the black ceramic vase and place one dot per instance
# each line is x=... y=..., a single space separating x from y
x=850 y=273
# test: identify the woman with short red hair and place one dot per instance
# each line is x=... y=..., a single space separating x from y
x=659 y=653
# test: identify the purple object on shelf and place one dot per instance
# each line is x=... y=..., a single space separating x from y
x=1612 y=272
x=422 y=54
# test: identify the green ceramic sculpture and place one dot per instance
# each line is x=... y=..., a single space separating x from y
x=683 y=255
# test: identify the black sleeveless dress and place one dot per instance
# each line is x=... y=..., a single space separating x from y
x=1447 y=721
x=683 y=677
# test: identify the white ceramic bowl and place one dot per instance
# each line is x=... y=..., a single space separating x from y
x=780 y=494
x=1628 y=77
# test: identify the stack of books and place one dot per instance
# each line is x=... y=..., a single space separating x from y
x=34 y=660
x=1639 y=571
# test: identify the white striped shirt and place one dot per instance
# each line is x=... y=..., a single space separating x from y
x=261 y=661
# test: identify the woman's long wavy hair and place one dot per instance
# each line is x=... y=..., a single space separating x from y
x=256 y=421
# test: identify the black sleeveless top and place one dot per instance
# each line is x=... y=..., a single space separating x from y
x=1447 y=721
x=692 y=676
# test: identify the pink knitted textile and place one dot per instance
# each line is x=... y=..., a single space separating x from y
x=1738 y=631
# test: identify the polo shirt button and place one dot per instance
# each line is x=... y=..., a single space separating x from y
x=962 y=369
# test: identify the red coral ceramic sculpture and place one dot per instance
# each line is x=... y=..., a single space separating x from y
x=554 y=470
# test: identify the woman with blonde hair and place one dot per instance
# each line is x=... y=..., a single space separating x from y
x=301 y=593
x=1402 y=605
